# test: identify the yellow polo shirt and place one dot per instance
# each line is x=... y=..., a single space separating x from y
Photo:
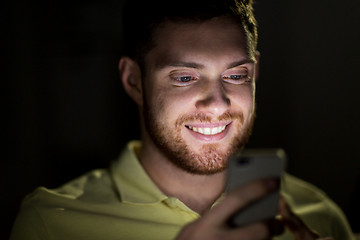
x=123 y=203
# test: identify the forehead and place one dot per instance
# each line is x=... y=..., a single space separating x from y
x=212 y=39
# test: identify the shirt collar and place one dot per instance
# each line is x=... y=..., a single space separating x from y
x=131 y=180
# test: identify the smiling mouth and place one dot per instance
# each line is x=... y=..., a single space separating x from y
x=208 y=130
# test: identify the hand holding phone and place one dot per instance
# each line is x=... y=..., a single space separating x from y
x=251 y=178
x=250 y=165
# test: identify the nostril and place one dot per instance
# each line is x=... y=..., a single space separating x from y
x=214 y=103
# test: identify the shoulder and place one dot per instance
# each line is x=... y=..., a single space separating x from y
x=301 y=192
x=44 y=207
x=306 y=198
x=73 y=189
x=315 y=208
x=87 y=187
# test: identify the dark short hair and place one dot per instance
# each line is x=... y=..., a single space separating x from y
x=141 y=17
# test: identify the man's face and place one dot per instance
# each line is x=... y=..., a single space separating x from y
x=199 y=93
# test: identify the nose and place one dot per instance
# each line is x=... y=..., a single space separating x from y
x=214 y=100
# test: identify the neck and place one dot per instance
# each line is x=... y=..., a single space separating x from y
x=198 y=192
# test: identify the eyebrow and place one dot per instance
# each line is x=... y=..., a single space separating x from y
x=195 y=65
x=241 y=62
x=180 y=64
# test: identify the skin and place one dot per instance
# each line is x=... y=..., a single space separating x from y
x=200 y=75
x=208 y=84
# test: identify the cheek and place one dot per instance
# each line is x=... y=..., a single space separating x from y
x=176 y=99
x=161 y=101
x=243 y=97
x=167 y=105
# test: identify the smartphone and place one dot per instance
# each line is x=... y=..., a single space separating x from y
x=250 y=165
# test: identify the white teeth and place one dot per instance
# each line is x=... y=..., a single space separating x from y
x=208 y=131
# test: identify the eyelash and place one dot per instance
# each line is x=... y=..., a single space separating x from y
x=183 y=79
x=187 y=79
x=239 y=79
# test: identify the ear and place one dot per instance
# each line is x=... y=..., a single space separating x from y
x=257 y=65
x=130 y=75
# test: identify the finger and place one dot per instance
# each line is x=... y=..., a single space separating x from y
x=295 y=224
x=240 y=198
x=254 y=231
x=260 y=230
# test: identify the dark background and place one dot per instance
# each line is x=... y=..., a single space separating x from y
x=66 y=112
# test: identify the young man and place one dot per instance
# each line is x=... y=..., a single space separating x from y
x=191 y=69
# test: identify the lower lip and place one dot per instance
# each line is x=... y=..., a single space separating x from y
x=210 y=138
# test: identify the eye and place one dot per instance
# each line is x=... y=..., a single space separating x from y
x=183 y=78
x=237 y=77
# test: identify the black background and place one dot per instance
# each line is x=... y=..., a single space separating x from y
x=66 y=112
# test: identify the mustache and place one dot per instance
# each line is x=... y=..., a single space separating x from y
x=204 y=118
